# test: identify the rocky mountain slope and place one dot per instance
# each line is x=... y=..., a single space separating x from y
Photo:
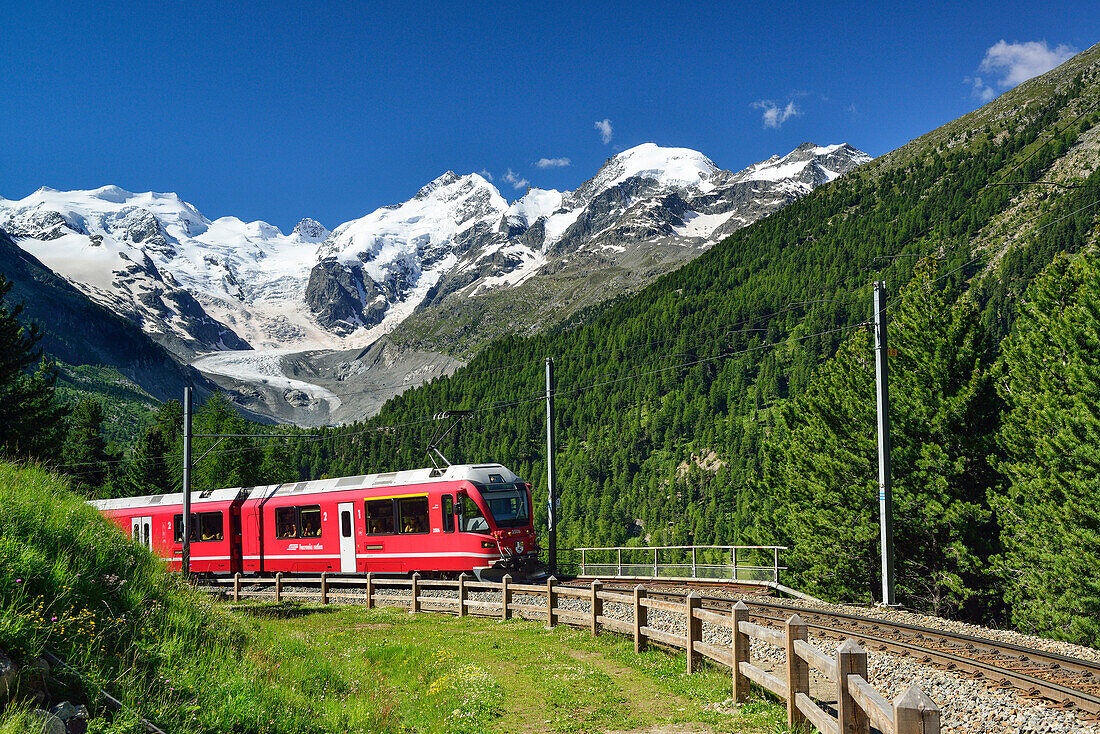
x=78 y=332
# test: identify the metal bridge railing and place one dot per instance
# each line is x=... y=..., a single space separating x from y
x=726 y=562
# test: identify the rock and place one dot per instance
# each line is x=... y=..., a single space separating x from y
x=46 y=723
x=8 y=671
x=66 y=710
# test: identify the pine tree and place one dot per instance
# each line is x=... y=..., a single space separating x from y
x=84 y=451
x=1050 y=516
x=31 y=421
x=150 y=468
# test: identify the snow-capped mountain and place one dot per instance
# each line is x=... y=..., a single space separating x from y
x=458 y=237
x=191 y=283
x=199 y=285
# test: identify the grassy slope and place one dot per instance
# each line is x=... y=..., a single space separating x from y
x=71 y=584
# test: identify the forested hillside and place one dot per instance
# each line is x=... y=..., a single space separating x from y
x=732 y=401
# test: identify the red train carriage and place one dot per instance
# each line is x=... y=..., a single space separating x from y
x=472 y=518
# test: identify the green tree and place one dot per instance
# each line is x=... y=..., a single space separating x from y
x=31 y=421
x=84 y=451
x=234 y=462
x=821 y=464
x=1050 y=516
x=151 y=469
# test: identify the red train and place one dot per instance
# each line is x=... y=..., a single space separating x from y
x=464 y=518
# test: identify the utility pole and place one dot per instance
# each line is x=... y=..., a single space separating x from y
x=552 y=496
x=885 y=497
x=186 y=567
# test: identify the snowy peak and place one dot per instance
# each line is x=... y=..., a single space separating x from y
x=667 y=167
x=808 y=164
x=310 y=230
x=534 y=205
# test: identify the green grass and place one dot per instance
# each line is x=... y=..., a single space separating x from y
x=387 y=670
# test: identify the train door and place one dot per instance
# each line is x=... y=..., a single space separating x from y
x=347 y=537
x=141 y=531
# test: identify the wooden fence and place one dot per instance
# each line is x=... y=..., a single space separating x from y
x=858 y=703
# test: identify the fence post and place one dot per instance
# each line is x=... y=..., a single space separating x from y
x=237 y=586
x=734 y=563
x=505 y=597
x=416 y=592
x=694 y=629
x=551 y=601
x=619 y=563
x=597 y=607
x=775 y=572
x=278 y=587
x=916 y=713
x=798 y=672
x=324 y=587
x=851 y=659
x=654 y=563
x=462 y=595
x=740 y=653
x=641 y=618
x=370 y=590
x=583 y=568
x=694 y=571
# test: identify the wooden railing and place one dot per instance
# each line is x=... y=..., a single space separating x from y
x=858 y=703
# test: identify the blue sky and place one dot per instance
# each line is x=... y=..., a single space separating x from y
x=280 y=111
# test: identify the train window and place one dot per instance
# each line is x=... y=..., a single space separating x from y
x=286 y=522
x=210 y=524
x=379 y=517
x=311 y=521
x=472 y=519
x=448 y=514
x=177 y=527
x=414 y=514
x=345 y=524
x=204 y=526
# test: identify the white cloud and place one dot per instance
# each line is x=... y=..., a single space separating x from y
x=774 y=116
x=604 y=128
x=484 y=173
x=980 y=89
x=513 y=178
x=1018 y=62
x=552 y=162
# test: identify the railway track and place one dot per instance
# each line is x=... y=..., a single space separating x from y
x=1060 y=680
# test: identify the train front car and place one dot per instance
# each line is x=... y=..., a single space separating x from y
x=497 y=503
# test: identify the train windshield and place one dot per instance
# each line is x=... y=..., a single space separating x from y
x=508 y=504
